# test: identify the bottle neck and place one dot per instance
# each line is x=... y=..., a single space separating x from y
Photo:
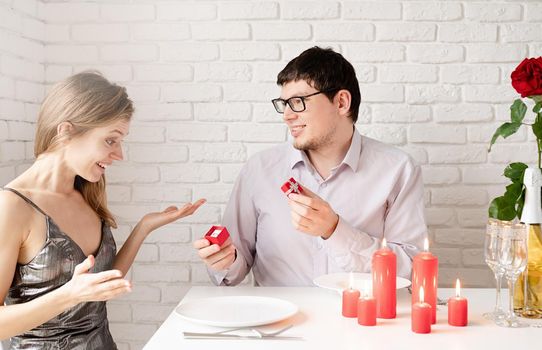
x=532 y=208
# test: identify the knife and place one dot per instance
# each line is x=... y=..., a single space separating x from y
x=196 y=335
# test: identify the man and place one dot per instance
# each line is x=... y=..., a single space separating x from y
x=356 y=191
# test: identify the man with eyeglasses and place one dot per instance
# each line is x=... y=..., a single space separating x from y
x=356 y=191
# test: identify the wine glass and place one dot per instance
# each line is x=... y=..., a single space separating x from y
x=512 y=258
x=491 y=255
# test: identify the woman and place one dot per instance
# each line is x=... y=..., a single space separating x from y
x=58 y=261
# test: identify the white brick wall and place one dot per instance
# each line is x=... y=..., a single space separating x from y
x=434 y=79
x=22 y=78
x=22 y=75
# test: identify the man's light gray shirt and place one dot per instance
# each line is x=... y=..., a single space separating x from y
x=376 y=190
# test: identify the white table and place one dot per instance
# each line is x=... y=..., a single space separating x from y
x=321 y=325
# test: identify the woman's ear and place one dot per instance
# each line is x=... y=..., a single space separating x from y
x=64 y=129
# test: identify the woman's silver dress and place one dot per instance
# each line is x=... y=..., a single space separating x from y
x=83 y=326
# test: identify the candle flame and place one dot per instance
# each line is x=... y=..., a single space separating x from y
x=384 y=245
x=421 y=295
x=457 y=288
x=426 y=245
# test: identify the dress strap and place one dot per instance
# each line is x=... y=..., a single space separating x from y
x=26 y=199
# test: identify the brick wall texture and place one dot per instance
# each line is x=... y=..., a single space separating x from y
x=434 y=77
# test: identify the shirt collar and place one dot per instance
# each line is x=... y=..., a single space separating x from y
x=354 y=152
x=296 y=156
x=351 y=158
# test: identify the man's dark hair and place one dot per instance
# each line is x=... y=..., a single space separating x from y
x=325 y=70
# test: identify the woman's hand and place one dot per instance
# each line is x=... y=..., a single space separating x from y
x=147 y=224
x=86 y=286
x=152 y=221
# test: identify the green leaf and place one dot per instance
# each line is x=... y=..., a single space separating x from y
x=517 y=111
x=504 y=130
x=493 y=210
x=515 y=171
x=510 y=205
x=513 y=192
x=520 y=202
x=537 y=127
x=502 y=209
x=537 y=107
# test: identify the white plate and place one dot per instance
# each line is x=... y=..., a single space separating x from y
x=236 y=311
x=340 y=281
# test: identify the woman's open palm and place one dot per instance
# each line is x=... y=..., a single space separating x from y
x=152 y=221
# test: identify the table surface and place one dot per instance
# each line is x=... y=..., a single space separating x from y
x=321 y=325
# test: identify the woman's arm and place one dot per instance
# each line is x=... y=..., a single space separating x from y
x=150 y=222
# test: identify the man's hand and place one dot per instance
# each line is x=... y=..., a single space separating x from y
x=216 y=257
x=311 y=214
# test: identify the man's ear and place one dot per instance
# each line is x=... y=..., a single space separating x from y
x=344 y=99
x=64 y=128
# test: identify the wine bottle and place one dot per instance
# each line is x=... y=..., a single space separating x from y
x=528 y=291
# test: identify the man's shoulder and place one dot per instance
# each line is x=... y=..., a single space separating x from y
x=382 y=149
x=269 y=157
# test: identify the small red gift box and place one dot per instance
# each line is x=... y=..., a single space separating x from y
x=217 y=235
x=291 y=186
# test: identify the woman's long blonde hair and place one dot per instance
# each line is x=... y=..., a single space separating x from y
x=87 y=100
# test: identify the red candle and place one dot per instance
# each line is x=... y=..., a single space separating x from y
x=421 y=315
x=457 y=309
x=384 y=266
x=367 y=310
x=425 y=274
x=350 y=300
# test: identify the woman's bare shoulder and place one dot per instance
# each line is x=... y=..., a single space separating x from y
x=14 y=211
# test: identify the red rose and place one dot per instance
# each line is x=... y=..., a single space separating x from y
x=527 y=77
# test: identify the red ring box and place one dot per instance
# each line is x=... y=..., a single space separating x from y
x=291 y=186
x=217 y=235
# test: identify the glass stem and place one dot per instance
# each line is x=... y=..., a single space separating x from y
x=511 y=284
x=498 y=279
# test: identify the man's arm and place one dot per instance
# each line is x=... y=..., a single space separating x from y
x=404 y=228
x=240 y=218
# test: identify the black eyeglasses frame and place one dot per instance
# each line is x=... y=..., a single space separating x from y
x=284 y=102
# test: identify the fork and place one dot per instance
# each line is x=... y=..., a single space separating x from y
x=271 y=334
x=258 y=334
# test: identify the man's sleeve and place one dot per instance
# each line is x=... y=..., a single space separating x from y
x=404 y=228
x=240 y=218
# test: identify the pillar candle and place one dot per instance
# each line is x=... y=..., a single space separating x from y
x=457 y=308
x=367 y=309
x=425 y=274
x=421 y=315
x=350 y=300
x=384 y=267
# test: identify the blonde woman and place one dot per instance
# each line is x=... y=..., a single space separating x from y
x=58 y=260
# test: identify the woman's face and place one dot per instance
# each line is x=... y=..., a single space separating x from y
x=90 y=154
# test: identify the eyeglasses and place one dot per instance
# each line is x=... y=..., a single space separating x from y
x=296 y=103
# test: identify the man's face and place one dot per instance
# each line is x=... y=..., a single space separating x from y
x=315 y=127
